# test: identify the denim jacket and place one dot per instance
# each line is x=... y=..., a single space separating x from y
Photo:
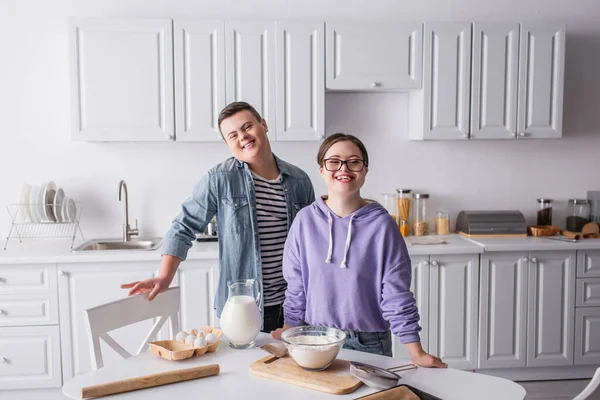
x=227 y=191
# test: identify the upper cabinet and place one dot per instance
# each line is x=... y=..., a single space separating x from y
x=250 y=65
x=199 y=79
x=300 y=55
x=377 y=55
x=121 y=79
x=515 y=89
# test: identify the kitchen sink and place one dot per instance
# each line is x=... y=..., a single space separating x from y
x=119 y=245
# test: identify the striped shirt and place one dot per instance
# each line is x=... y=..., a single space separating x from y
x=271 y=213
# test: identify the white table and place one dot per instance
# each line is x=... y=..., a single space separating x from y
x=235 y=380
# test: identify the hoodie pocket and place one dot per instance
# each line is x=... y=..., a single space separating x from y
x=237 y=214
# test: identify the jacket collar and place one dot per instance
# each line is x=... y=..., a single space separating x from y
x=282 y=165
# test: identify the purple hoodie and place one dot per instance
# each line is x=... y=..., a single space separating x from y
x=349 y=273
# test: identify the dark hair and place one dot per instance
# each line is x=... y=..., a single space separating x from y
x=341 y=137
x=234 y=108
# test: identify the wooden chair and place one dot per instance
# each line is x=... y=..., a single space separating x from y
x=104 y=318
x=592 y=390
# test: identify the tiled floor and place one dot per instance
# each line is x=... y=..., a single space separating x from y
x=555 y=390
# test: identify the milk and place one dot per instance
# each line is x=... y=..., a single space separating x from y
x=240 y=320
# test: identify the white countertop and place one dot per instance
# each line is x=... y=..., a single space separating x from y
x=59 y=251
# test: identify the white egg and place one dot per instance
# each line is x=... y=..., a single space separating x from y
x=200 y=342
x=211 y=338
x=190 y=339
x=181 y=335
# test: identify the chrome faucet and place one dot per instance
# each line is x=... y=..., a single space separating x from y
x=127 y=231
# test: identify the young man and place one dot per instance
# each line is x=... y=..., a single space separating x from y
x=255 y=196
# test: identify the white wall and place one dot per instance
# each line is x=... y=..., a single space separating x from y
x=35 y=130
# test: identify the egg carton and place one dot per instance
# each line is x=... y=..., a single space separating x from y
x=178 y=349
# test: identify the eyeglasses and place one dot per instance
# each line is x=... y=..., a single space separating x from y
x=335 y=164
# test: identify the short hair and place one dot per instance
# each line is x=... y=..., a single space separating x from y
x=341 y=137
x=234 y=108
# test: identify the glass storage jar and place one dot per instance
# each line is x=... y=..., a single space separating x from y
x=390 y=203
x=404 y=197
x=578 y=214
x=420 y=224
x=544 y=212
x=442 y=223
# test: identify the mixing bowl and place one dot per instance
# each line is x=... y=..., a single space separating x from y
x=313 y=347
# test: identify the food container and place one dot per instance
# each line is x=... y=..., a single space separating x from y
x=404 y=198
x=578 y=214
x=442 y=223
x=390 y=204
x=420 y=223
x=313 y=347
x=544 y=212
x=405 y=228
x=176 y=350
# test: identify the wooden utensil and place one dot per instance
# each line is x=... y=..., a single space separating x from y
x=147 y=381
x=397 y=393
x=591 y=228
x=335 y=380
x=571 y=235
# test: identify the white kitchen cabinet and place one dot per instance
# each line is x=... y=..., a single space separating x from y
x=30 y=357
x=587 y=336
x=197 y=280
x=121 y=79
x=199 y=48
x=495 y=73
x=503 y=310
x=453 y=307
x=379 y=55
x=541 y=76
x=588 y=292
x=86 y=285
x=551 y=308
x=300 y=81
x=250 y=66
x=588 y=264
x=29 y=309
x=27 y=278
x=420 y=288
x=441 y=109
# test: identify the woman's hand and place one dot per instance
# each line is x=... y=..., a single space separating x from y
x=276 y=334
x=154 y=286
x=421 y=358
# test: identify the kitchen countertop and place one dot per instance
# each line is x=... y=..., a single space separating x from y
x=59 y=251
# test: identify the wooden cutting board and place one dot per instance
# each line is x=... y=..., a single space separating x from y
x=335 y=380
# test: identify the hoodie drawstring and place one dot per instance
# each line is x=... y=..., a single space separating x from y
x=343 y=264
x=330 y=250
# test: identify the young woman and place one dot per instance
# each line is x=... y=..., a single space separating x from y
x=346 y=263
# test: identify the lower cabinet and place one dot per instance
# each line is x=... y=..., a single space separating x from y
x=587 y=336
x=30 y=357
x=446 y=290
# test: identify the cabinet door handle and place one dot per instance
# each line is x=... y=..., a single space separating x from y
x=425 y=263
x=1 y=279
x=3 y=360
x=61 y=273
x=533 y=259
x=434 y=263
x=514 y=134
x=1 y=312
x=466 y=135
x=522 y=134
x=375 y=84
x=168 y=136
x=525 y=259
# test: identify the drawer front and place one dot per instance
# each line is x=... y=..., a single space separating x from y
x=30 y=309
x=30 y=357
x=20 y=279
x=587 y=336
x=588 y=292
x=588 y=264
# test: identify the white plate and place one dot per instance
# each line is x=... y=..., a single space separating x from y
x=58 y=203
x=39 y=202
x=33 y=208
x=71 y=210
x=47 y=200
x=24 y=202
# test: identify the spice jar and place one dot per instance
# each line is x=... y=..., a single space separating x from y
x=390 y=203
x=442 y=223
x=578 y=214
x=404 y=197
x=420 y=224
x=404 y=228
x=544 y=212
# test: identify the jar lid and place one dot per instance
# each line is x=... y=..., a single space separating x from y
x=579 y=201
x=420 y=195
x=542 y=200
x=403 y=191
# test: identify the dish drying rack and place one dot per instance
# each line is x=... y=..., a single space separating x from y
x=24 y=228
